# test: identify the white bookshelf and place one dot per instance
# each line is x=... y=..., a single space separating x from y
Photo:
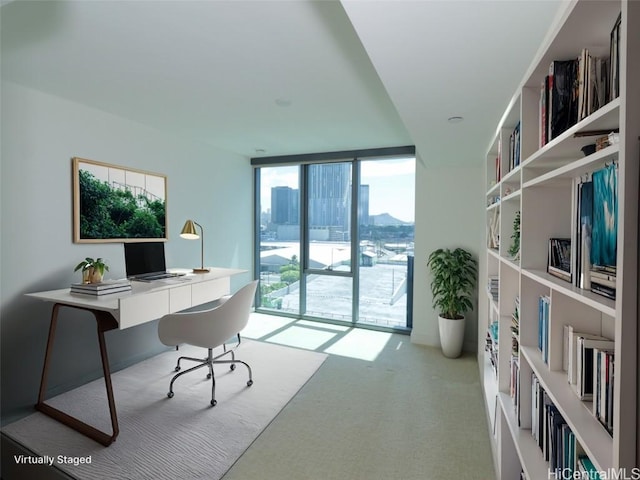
x=542 y=189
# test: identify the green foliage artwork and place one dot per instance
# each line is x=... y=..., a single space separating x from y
x=113 y=210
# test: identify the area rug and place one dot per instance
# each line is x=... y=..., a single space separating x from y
x=178 y=438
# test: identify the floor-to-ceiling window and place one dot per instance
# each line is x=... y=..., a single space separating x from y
x=334 y=236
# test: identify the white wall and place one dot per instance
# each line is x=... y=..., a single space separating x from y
x=449 y=214
x=40 y=135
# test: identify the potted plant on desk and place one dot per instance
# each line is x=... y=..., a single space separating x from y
x=452 y=286
x=92 y=270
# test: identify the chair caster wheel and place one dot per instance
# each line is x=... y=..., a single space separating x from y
x=249 y=383
x=177 y=369
x=208 y=376
x=233 y=366
x=170 y=394
x=214 y=403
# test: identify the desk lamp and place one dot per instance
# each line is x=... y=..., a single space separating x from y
x=190 y=233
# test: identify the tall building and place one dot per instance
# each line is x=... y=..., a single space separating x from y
x=284 y=206
x=363 y=205
x=329 y=195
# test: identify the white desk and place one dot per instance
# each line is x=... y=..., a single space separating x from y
x=150 y=300
x=145 y=302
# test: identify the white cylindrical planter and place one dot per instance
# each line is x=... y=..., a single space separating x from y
x=451 y=336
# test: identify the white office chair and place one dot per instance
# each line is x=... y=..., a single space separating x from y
x=209 y=329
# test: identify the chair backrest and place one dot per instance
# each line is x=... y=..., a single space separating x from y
x=212 y=327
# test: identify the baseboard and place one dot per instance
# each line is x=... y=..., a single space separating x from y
x=434 y=341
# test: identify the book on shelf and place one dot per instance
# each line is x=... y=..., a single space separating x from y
x=493 y=284
x=596 y=232
x=606 y=282
x=603 y=387
x=558 y=443
x=585 y=364
x=544 y=112
x=582 y=256
x=563 y=108
x=103 y=288
x=603 y=290
x=544 y=305
x=592 y=83
x=514 y=147
x=586 y=469
x=614 y=60
x=559 y=258
x=572 y=345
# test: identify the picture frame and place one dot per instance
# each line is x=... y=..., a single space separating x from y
x=112 y=203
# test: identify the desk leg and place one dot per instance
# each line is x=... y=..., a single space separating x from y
x=105 y=322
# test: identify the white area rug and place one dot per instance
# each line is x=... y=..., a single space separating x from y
x=178 y=438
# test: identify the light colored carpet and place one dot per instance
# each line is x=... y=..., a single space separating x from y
x=380 y=408
x=178 y=438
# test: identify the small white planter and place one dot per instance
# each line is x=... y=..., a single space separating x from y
x=451 y=336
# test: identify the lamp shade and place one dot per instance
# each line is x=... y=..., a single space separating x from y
x=189 y=231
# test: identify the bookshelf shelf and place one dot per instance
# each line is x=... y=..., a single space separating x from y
x=510 y=263
x=490 y=392
x=494 y=190
x=563 y=175
x=493 y=206
x=529 y=454
x=512 y=176
x=513 y=196
x=593 y=300
x=494 y=253
x=542 y=194
x=567 y=146
x=591 y=434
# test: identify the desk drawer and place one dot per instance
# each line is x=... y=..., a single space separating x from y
x=142 y=308
x=203 y=292
x=179 y=298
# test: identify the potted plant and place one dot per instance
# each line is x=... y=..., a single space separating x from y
x=453 y=283
x=92 y=270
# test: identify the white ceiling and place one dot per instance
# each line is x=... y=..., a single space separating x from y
x=364 y=74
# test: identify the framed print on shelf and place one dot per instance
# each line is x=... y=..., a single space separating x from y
x=117 y=204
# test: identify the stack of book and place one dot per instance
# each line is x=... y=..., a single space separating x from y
x=491 y=346
x=103 y=288
x=493 y=285
x=603 y=280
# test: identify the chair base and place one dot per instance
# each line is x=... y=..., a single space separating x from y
x=209 y=361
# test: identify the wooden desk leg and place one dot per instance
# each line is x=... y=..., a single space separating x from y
x=105 y=322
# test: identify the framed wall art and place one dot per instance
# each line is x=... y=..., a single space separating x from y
x=117 y=204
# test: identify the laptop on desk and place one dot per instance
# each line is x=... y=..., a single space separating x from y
x=145 y=262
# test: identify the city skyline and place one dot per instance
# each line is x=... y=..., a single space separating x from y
x=383 y=180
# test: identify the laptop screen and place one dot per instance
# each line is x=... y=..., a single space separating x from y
x=144 y=257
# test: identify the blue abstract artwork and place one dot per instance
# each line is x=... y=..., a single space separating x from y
x=604 y=233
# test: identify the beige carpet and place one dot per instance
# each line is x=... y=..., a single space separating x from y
x=178 y=438
x=380 y=408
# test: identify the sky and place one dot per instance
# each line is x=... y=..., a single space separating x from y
x=391 y=185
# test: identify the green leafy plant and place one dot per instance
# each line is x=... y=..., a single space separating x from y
x=454 y=279
x=90 y=267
